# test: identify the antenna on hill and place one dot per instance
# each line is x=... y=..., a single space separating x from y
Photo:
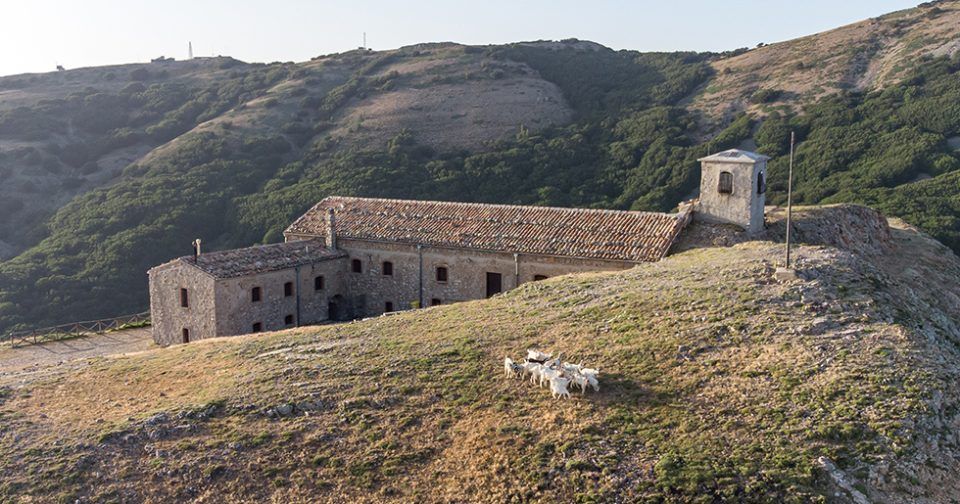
x=364 y=41
x=790 y=197
x=189 y=50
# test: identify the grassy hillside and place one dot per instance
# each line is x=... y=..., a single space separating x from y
x=107 y=172
x=863 y=56
x=718 y=383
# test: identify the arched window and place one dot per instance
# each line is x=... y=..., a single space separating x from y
x=257 y=327
x=387 y=268
x=356 y=266
x=288 y=320
x=726 y=183
x=441 y=273
x=318 y=283
x=761 y=183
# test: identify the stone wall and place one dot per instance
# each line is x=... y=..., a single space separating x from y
x=169 y=319
x=370 y=290
x=743 y=206
x=236 y=312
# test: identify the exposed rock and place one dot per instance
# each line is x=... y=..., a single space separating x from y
x=842 y=480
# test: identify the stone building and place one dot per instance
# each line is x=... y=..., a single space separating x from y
x=733 y=186
x=350 y=257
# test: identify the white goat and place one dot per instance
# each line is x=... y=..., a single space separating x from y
x=580 y=381
x=558 y=387
x=537 y=356
x=512 y=369
x=534 y=369
x=591 y=375
x=548 y=374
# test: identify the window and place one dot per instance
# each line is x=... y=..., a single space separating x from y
x=184 y=302
x=288 y=289
x=318 y=283
x=356 y=266
x=288 y=320
x=388 y=307
x=761 y=183
x=387 y=268
x=537 y=278
x=726 y=183
x=255 y=294
x=435 y=302
x=257 y=327
x=186 y=335
x=441 y=273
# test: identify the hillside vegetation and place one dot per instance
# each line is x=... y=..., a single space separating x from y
x=107 y=172
x=717 y=383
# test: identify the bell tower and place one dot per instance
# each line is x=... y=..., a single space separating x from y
x=733 y=186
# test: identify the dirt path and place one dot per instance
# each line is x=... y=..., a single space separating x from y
x=30 y=358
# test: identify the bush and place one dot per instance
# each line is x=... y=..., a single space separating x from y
x=765 y=96
x=140 y=75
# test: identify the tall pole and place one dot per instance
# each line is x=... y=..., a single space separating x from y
x=790 y=198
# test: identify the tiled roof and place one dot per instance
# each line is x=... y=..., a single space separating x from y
x=571 y=232
x=735 y=156
x=261 y=258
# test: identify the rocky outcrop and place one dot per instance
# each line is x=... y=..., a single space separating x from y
x=849 y=227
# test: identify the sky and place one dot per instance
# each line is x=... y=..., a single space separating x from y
x=38 y=35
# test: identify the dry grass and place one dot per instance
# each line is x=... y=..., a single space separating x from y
x=717 y=384
x=865 y=55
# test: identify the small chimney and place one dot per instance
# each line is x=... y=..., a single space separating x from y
x=331 y=222
x=196 y=249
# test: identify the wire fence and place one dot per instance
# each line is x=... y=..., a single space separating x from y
x=75 y=329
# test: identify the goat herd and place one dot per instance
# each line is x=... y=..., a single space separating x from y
x=542 y=367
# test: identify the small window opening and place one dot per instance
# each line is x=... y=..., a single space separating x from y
x=537 y=278
x=318 y=283
x=387 y=268
x=726 y=183
x=257 y=327
x=288 y=320
x=255 y=295
x=761 y=183
x=288 y=289
x=186 y=335
x=184 y=301
x=441 y=273
x=356 y=266
x=435 y=302
x=388 y=307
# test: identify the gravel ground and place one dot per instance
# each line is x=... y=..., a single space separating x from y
x=16 y=362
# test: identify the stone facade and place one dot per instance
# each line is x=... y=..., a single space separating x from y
x=741 y=202
x=414 y=274
x=168 y=317
x=219 y=291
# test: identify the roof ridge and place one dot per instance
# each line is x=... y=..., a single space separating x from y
x=498 y=205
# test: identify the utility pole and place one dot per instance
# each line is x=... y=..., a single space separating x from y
x=790 y=198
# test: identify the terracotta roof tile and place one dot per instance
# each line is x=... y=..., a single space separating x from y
x=573 y=232
x=261 y=258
